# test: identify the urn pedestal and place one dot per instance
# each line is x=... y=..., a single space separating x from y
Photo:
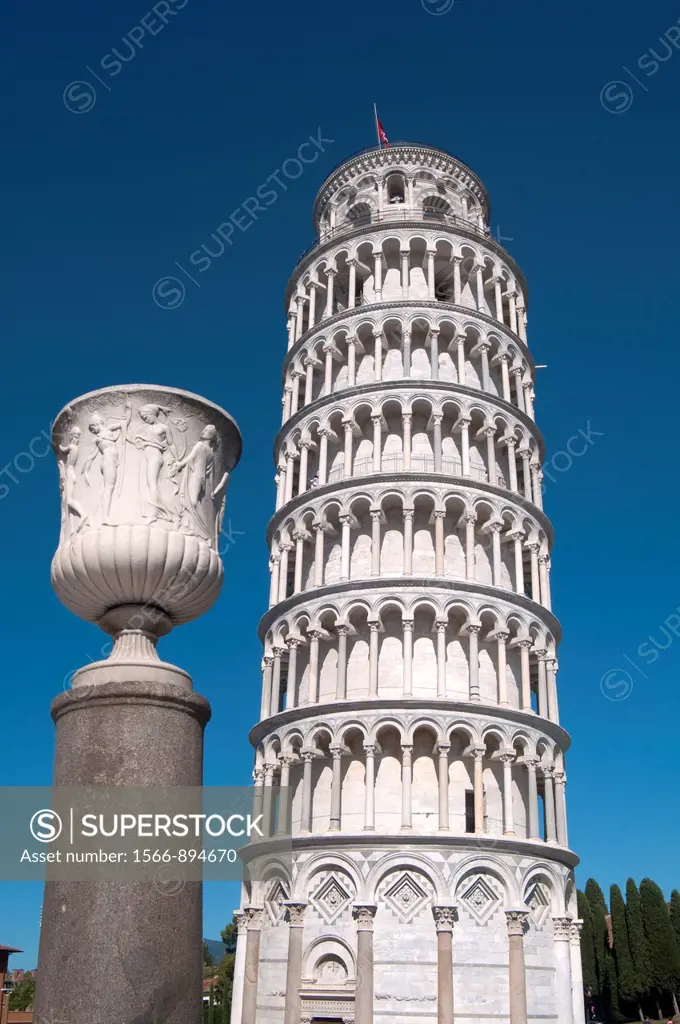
x=143 y=472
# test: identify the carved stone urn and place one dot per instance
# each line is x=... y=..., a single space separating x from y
x=143 y=472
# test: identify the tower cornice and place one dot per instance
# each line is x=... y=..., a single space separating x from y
x=415 y=305
x=432 y=584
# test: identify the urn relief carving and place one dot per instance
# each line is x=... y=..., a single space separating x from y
x=143 y=474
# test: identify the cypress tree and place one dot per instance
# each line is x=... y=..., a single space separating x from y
x=587 y=945
x=664 y=960
x=628 y=984
x=637 y=941
x=674 y=912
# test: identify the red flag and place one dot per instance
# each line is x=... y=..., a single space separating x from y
x=382 y=137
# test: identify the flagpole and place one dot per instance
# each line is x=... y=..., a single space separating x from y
x=377 y=130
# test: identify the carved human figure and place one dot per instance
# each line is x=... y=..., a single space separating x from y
x=67 y=474
x=157 y=442
x=107 y=437
x=198 y=489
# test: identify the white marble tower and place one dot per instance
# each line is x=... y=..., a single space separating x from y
x=409 y=702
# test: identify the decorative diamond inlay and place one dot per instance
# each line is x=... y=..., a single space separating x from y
x=275 y=897
x=406 y=897
x=480 y=898
x=538 y=901
x=330 y=899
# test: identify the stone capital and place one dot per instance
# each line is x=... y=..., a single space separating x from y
x=575 y=932
x=561 y=929
x=254 y=918
x=295 y=912
x=364 y=914
x=444 y=918
x=516 y=921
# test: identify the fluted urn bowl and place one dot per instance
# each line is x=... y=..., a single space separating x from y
x=143 y=472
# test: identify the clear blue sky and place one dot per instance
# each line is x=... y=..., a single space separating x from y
x=97 y=206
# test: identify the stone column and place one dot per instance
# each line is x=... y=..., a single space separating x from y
x=525 y=456
x=512 y=307
x=511 y=444
x=295 y=400
x=408 y=541
x=434 y=356
x=336 y=789
x=276 y=682
x=478 y=269
x=470 y=518
x=295 y=913
x=543 y=578
x=404 y=273
x=330 y=277
x=553 y=712
x=341 y=685
x=486 y=376
x=239 y=968
x=312 y=305
x=501 y=640
x=283 y=822
x=351 y=362
x=406 y=781
x=304 y=462
x=267 y=663
x=508 y=816
x=347 y=454
x=286 y=548
x=406 y=428
x=430 y=273
x=444 y=918
x=377 y=276
x=306 y=814
x=377 y=442
x=505 y=374
x=373 y=626
x=532 y=798
x=524 y=648
x=324 y=434
x=561 y=808
x=495 y=526
x=377 y=357
x=346 y=521
x=457 y=289
x=363 y=914
x=516 y=921
x=407 y=353
x=465 y=445
x=299 y=538
x=498 y=299
x=578 y=1002
x=439 y=516
x=313 y=686
x=369 y=794
x=535 y=585
x=479 y=754
x=293 y=645
x=490 y=434
x=517 y=536
x=254 y=916
x=443 y=778
x=542 y=683
x=440 y=626
x=549 y=803
x=290 y=476
x=351 y=301
x=473 y=632
x=376 y=516
x=407 y=626
x=437 y=442
x=309 y=379
x=561 y=939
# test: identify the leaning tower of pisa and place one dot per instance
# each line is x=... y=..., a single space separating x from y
x=409 y=737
